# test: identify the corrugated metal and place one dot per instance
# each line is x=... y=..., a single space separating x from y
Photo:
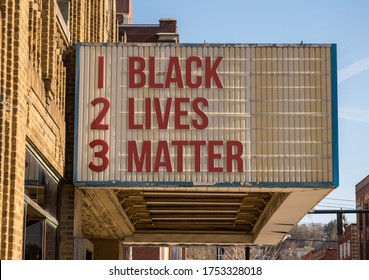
x=275 y=100
x=291 y=115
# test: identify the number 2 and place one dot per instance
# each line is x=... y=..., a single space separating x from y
x=96 y=124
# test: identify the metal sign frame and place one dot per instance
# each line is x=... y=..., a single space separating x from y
x=207 y=71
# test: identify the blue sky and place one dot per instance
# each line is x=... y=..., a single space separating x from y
x=345 y=23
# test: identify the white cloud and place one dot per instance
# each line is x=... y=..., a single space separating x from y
x=353 y=113
x=353 y=69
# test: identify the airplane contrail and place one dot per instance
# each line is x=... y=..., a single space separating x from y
x=353 y=69
x=353 y=113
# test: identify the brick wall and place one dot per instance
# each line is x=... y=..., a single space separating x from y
x=13 y=91
x=93 y=21
x=66 y=245
x=322 y=254
x=87 y=25
x=362 y=202
x=145 y=253
x=150 y=33
x=33 y=81
x=347 y=243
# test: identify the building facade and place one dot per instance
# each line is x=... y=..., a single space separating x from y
x=321 y=254
x=36 y=37
x=155 y=253
x=347 y=243
x=362 y=203
x=164 y=32
x=47 y=214
x=39 y=204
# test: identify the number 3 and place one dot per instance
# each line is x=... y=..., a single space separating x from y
x=100 y=154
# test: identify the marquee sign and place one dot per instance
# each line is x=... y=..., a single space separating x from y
x=154 y=114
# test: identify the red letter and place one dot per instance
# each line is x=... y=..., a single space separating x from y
x=101 y=72
x=179 y=145
x=236 y=156
x=139 y=161
x=174 y=63
x=197 y=153
x=162 y=149
x=200 y=113
x=198 y=82
x=139 y=71
x=162 y=121
x=152 y=83
x=178 y=113
x=147 y=113
x=131 y=115
x=211 y=72
x=212 y=156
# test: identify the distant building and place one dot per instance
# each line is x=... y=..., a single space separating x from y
x=124 y=12
x=321 y=254
x=299 y=253
x=324 y=251
x=362 y=202
x=155 y=253
x=164 y=32
x=347 y=243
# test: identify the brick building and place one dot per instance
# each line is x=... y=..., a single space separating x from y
x=347 y=243
x=155 y=253
x=124 y=12
x=43 y=216
x=164 y=32
x=321 y=254
x=36 y=38
x=362 y=203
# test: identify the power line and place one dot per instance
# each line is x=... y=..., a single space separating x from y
x=338 y=204
x=340 y=199
x=335 y=207
x=337 y=211
x=310 y=240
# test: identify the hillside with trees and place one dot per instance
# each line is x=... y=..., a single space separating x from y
x=302 y=239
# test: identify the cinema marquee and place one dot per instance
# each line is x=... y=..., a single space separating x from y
x=211 y=115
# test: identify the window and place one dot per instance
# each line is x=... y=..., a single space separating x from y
x=40 y=226
x=348 y=248
x=220 y=253
x=34 y=241
x=176 y=253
